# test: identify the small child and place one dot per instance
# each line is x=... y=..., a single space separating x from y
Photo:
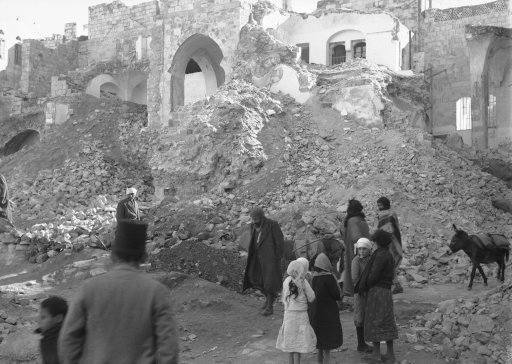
x=296 y=335
x=362 y=251
x=326 y=317
x=51 y=316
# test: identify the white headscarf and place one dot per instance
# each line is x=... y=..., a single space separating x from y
x=131 y=190
x=363 y=243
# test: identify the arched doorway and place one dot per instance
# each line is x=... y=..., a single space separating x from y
x=103 y=81
x=497 y=93
x=127 y=86
x=195 y=83
x=198 y=52
x=19 y=141
x=109 y=89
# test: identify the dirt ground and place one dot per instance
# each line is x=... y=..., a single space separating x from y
x=218 y=325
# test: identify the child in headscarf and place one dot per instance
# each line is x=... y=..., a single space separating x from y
x=362 y=251
x=296 y=335
x=326 y=318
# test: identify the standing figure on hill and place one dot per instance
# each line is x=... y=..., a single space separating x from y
x=355 y=228
x=263 y=270
x=296 y=335
x=123 y=316
x=5 y=203
x=127 y=208
x=388 y=221
x=362 y=251
x=375 y=283
x=325 y=317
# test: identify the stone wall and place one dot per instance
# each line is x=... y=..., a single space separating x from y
x=447 y=56
x=114 y=29
x=219 y=21
x=39 y=64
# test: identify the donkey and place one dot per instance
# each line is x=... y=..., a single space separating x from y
x=478 y=252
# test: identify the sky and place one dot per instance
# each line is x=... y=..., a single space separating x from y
x=42 y=18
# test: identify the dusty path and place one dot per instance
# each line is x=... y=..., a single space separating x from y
x=221 y=326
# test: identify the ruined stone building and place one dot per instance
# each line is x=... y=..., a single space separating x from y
x=167 y=53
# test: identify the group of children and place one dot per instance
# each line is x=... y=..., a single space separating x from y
x=311 y=314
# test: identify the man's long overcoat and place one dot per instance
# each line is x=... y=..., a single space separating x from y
x=123 y=316
x=263 y=270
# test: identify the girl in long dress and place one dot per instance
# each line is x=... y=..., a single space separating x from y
x=296 y=335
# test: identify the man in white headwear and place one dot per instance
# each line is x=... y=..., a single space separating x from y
x=127 y=208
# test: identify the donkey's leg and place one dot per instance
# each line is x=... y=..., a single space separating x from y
x=482 y=273
x=473 y=271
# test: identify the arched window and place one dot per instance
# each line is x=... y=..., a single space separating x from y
x=339 y=54
x=359 y=50
x=464 y=113
x=491 y=112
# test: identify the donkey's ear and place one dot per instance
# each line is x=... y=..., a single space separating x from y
x=454 y=227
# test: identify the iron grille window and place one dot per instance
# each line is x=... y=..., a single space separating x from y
x=360 y=50
x=491 y=112
x=339 y=54
x=304 y=51
x=464 y=113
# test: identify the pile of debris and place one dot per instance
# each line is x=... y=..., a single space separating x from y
x=471 y=330
x=72 y=204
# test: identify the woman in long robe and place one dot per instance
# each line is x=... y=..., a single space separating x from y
x=356 y=228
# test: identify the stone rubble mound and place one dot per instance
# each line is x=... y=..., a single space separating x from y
x=72 y=205
x=473 y=330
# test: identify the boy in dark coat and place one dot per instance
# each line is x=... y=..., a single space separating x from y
x=263 y=270
x=51 y=315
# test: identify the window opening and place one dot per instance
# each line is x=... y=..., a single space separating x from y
x=339 y=54
x=464 y=113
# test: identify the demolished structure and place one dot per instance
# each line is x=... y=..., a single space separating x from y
x=210 y=107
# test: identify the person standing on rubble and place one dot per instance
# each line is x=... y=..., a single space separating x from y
x=5 y=203
x=127 y=208
x=355 y=228
x=263 y=269
x=123 y=316
x=388 y=221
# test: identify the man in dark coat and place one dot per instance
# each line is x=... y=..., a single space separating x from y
x=123 y=316
x=128 y=209
x=263 y=270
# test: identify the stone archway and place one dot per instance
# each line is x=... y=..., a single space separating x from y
x=95 y=85
x=109 y=89
x=19 y=141
x=206 y=56
x=490 y=59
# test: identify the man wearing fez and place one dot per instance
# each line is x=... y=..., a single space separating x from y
x=122 y=316
x=127 y=208
x=263 y=270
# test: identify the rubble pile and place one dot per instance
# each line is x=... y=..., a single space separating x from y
x=71 y=205
x=472 y=330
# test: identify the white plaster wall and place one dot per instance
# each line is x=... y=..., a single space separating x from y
x=382 y=49
x=195 y=87
x=376 y=28
x=302 y=6
x=289 y=84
